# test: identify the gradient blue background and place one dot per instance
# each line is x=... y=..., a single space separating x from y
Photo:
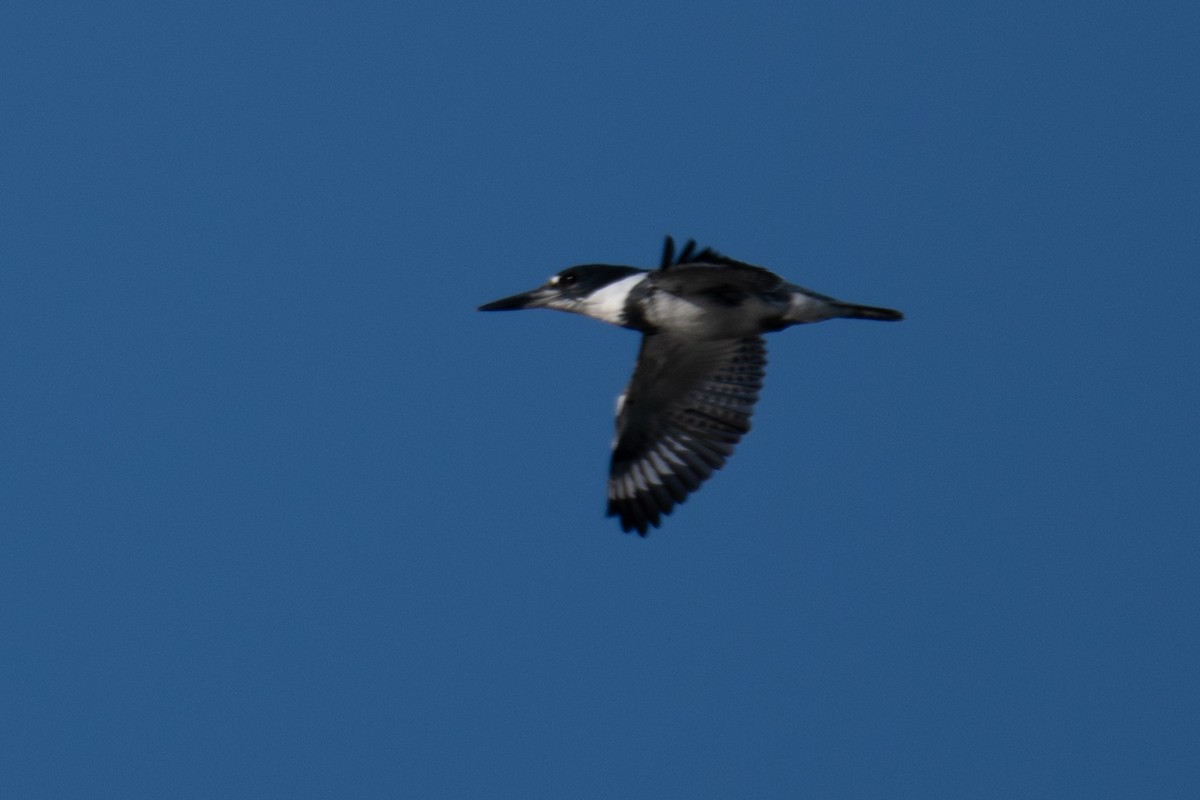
x=283 y=516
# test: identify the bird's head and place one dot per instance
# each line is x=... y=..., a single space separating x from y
x=574 y=289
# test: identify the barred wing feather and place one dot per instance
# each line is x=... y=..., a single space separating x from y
x=688 y=404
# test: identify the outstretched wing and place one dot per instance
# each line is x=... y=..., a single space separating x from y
x=689 y=402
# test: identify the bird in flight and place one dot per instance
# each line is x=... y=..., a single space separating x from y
x=702 y=317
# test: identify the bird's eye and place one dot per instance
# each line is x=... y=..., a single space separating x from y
x=566 y=280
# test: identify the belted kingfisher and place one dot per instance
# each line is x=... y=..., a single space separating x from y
x=700 y=368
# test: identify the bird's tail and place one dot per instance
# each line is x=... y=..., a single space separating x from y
x=853 y=311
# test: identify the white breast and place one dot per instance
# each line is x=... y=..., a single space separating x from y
x=704 y=320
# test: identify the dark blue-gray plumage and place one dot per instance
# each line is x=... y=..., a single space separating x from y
x=700 y=368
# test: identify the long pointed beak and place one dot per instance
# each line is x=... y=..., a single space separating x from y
x=531 y=299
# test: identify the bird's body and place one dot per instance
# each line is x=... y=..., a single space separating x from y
x=700 y=367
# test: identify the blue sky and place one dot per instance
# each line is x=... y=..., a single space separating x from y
x=283 y=516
